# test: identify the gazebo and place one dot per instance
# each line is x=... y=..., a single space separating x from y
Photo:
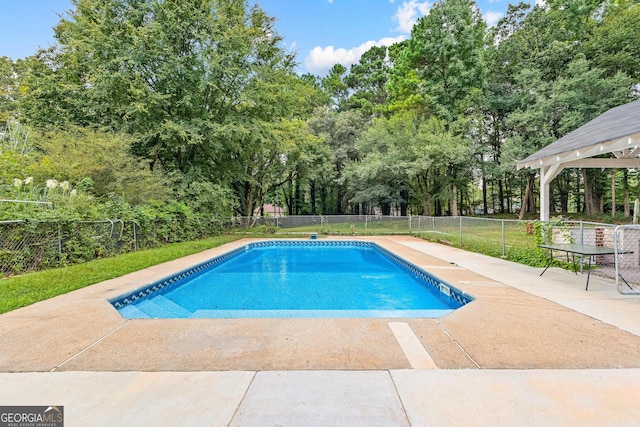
x=616 y=132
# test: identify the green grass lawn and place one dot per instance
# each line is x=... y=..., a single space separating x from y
x=374 y=226
x=23 y=290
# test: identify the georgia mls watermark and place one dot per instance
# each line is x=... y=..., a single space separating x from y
x=31 y=416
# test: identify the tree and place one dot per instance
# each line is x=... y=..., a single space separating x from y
x=404 y=159
x=445 y=51
x=103 y=158
x=615 y=42
x=440 y=72
x=204 y=86
x=368 y=80
x=335 y=86
x=8 y=89
x=340 y=131
x=551 y=87
x=500 y=98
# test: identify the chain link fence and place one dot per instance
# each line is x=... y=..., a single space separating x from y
x=626 y=240
x=623 y=266
x=30 y=246
x=33 y=245
x=327 y=224
x=500 y=238
x=510 y=239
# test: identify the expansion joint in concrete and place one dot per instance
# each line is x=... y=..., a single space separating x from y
x=90 y=345
x=458 y=344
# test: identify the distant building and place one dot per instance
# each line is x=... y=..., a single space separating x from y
x=270 y=210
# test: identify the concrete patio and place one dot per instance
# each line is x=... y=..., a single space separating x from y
x=529 y=350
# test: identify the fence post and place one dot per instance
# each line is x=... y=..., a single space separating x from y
x=503 y=245
x=409 y=223
x=135 y=237
x=582 y=243
x=460 y=231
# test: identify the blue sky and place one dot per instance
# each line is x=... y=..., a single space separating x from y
x=322 y=32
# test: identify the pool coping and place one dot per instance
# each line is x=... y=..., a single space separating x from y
x=504 y=328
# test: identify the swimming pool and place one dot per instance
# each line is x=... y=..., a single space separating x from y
x=295 y=278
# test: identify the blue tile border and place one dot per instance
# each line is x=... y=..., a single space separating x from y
x=443 y=287
x=173 y=280
x=178 y=278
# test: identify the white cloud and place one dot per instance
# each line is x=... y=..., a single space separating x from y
x=492 y=18
x=409 y=12
x=321 y=59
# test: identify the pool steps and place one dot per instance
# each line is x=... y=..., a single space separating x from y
x=170 y=306
x=160 y=307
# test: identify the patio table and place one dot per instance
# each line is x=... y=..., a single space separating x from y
x=585 y=250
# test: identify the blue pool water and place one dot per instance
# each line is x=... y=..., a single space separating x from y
x=297 y=279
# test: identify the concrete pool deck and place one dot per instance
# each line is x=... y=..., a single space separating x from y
x=529 y=350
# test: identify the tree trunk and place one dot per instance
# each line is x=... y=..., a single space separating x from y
x=625 y=184
x=296 y=198
x=528 y=202
x=563 y=197
x=588 y=193
x=485 y=205
x=385 y=208
x=501 y=196
x=288 y=197
x=425 y=205
x=323 y=200
x=578 y=204
x=453 y=189
x=404 y=193
x=507 y=198
x=425 y=197
x=600 y=204
x=250 y=206
x=438 y=207
x=312 y=196
x=613 y=193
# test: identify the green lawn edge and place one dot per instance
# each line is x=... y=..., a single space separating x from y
x=27 y=289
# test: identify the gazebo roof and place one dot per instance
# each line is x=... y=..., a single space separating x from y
x=615 y=130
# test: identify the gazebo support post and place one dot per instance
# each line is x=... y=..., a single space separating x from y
x=547 y=173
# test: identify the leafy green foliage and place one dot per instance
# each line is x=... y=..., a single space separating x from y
x=105 y=159
x=204 y=89
x=368 y=80
x=198 y=103
x=444 y=54
x=400 y=154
